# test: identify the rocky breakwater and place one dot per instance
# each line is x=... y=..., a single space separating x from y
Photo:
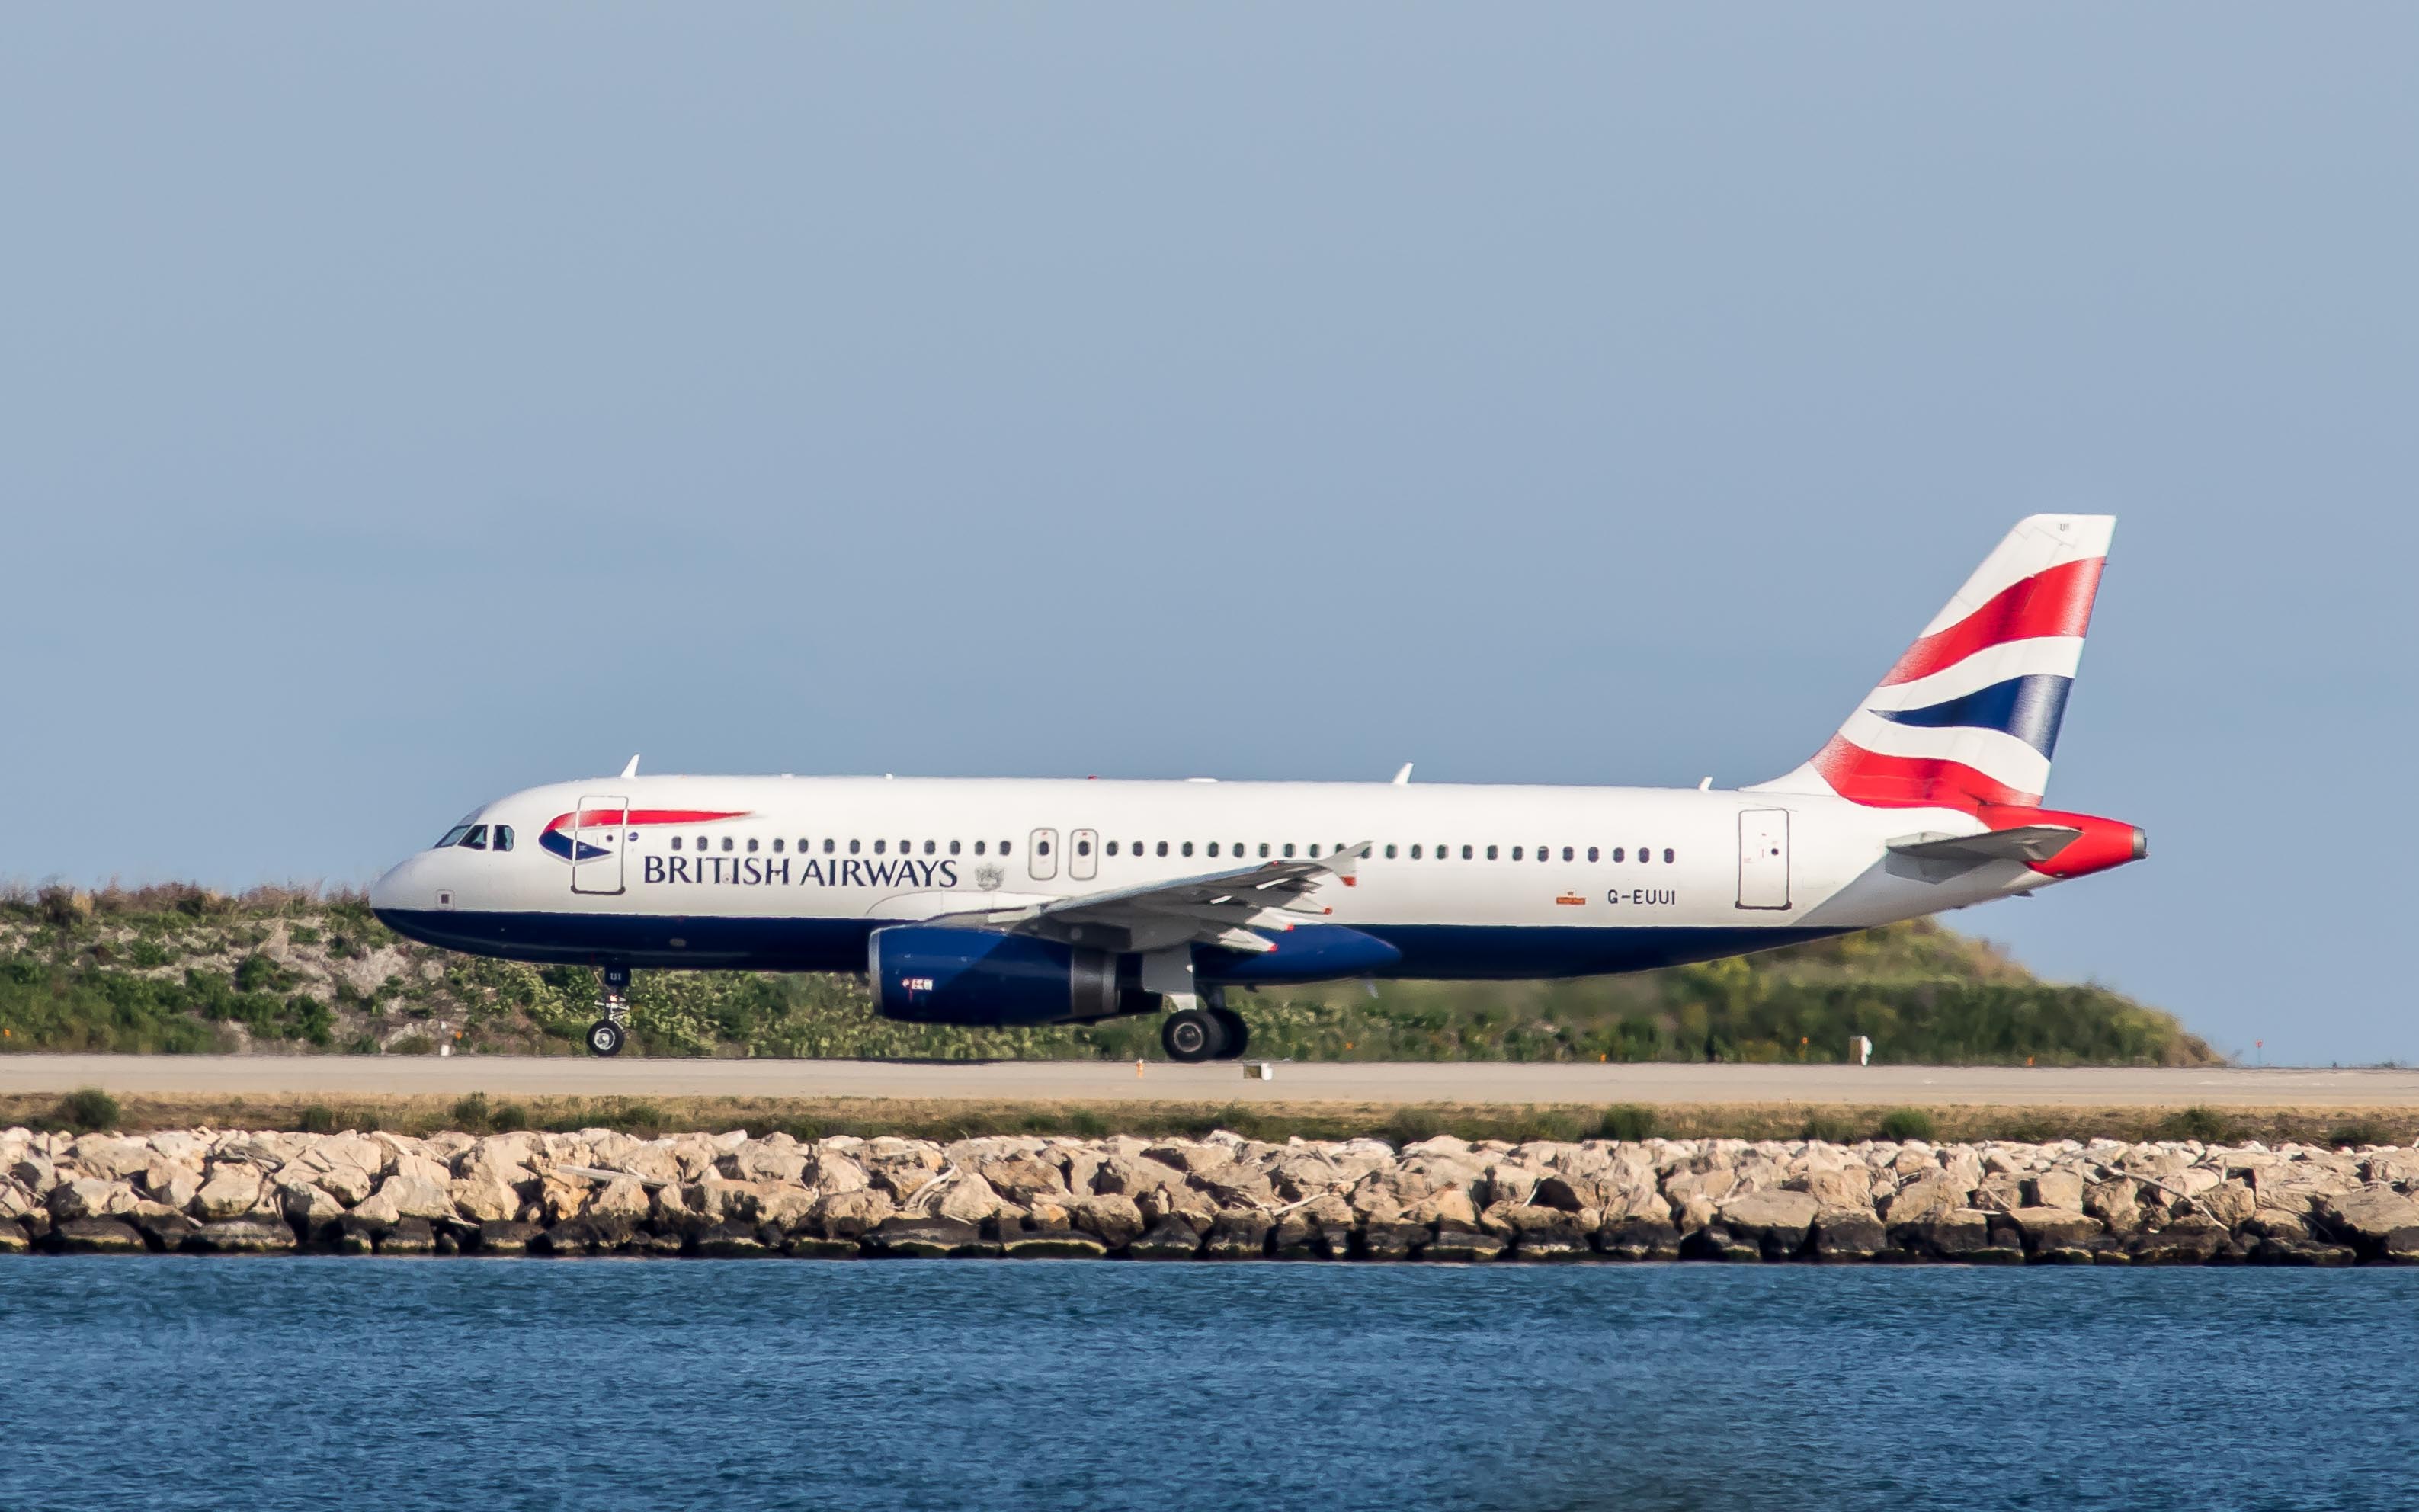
x=1221 y=1198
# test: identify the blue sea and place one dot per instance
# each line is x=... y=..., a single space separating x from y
x=176 y=1382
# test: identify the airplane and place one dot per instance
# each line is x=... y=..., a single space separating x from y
x=1025 y=902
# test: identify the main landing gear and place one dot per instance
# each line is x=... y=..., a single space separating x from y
x=606 y=1035
x=1216 y=1032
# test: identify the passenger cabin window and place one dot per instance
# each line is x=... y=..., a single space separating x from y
x=1490 y=852
x=853 y=846
x=827 y=847
x=726 y=843
x=1566 y=853
x=776 y=845
x=1590 y=853
x=1264 y=850
x=1214 y=847
x=1415 y=853
x=1390 y=853
x=477 y=839
x=1289 y=850
x=452 y=837
x=881 y=847
x=1006 y=849
x=1465 y=853
x=1619 y=854
x=1667 y=857
x=752 y=844
x=1113 y=847
x=928 y=847
x=1516 y=852
x=503 y=837
x=1040 y=848
x=676 y=842
x=953 y=847
x=1162 y=847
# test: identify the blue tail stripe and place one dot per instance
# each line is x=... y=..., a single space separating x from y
x=2029 y=708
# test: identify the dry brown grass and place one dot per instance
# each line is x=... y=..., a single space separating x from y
x=950 y=1120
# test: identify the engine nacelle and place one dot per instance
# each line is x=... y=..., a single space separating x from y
x=930 y=974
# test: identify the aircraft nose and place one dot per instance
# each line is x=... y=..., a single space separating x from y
x=397 y=889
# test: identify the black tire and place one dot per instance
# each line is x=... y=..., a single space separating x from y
x=1238 y=1034
x=605 y=1038
x=1191 y=1035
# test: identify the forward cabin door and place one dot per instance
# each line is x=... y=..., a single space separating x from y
x=1083 y=855
x=1763 y=858
x=597 y=828
x=1041 y=853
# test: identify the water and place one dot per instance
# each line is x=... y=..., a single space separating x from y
x=175 y=1383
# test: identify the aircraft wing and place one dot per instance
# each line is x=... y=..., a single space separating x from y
x=1215 y=908
x=2025 y=842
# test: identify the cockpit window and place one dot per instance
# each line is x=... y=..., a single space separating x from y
x=503 y=837
x=452 y=837
x=477 y=839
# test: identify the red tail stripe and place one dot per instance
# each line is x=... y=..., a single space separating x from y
x=2054 y=602
x=1910 y=781
x=615 y=818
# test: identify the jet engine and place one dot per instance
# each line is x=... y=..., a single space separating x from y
x=932 y=974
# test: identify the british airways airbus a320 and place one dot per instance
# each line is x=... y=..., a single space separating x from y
x=1017 y=902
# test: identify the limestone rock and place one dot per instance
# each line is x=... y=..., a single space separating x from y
x=481 y=1198
x=250 y=1234
x=2378 y=1221
x=1845 y=1188
x=231 y=1191
x=1638 y=1237
x=172 y=1184
x=1112 y=1216
x=967 y=1199
x=506 y=1237
x=1237 y=1235
x=13 y=1239
x=2056 y=1228
x=927 y=1238
x=410 y=1236
x=1169 y=1239
x=97 y=1236
x=1955 y=1234
x=1848 y=1233
x=414 y=1196
x=2057 y=1187
x=306 y=1207
x=1020 y=1178
x=850 y=1214
x=88 y=1197
x=1778 y=1223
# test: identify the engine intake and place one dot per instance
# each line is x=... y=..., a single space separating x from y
x=927 y=973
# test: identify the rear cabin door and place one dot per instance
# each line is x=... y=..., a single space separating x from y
x=598 y=827
x=1041 y=854
x=1083 y=855
x=1763 y=858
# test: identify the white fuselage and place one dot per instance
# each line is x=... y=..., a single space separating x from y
x=1468 y=881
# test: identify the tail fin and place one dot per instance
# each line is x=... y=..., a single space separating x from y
x=1969 y=715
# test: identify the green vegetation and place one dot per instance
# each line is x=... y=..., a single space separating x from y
x=1908 y=1123
x=181 y=969
x=87 y=1109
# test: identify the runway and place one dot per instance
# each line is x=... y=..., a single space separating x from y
x=1032 y=1081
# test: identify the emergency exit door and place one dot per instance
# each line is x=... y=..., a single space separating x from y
x=598 y=827
x=1763 y=858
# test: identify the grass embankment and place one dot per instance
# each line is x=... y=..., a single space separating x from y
x=933 y=1119
x=179 y=968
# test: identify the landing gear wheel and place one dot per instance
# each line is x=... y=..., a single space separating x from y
x=1238 y=1034
x=1191 y=1034
x=605 y=1036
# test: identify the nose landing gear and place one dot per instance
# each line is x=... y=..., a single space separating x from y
x=606 y=1035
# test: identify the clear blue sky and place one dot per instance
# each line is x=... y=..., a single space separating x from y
x=400 y=408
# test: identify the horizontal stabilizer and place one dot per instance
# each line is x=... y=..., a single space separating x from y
x=2025 y=842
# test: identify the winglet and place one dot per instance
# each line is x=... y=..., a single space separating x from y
x=1403 y=777
x=631 y=770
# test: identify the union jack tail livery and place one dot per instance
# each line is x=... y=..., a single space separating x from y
x=1967 y=718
